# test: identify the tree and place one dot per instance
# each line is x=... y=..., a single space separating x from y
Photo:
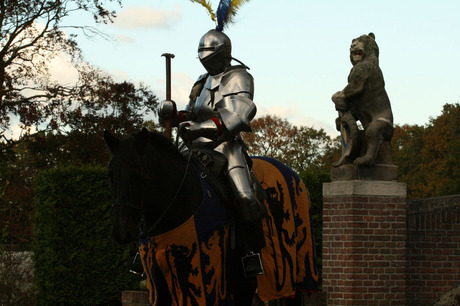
x=301 y=148
x=118 y=107
x=271 y=136
x=427 y=156
x=407 y=142
x=61 y=124
x=313 y=150
x=30 y=37
x=441 y=158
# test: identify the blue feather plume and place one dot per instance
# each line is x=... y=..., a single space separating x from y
x=225 y=12
x=222 y=14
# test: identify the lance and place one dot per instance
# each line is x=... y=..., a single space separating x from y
x=168 y=57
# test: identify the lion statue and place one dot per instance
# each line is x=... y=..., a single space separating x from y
x=364 y=99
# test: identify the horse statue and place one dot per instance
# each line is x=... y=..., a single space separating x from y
x=187 y=238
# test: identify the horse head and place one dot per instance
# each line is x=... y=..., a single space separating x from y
x=127 y=181
x=145 y=171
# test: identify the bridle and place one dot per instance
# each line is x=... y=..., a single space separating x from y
x=126 y=204
x=140 y=209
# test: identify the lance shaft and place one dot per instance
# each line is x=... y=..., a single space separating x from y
x=168 y=57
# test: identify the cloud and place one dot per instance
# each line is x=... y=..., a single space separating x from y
x=62 y=70
x=180 y=88
x=124 y=39
x=295 y=116
x=146 y=17
x=120 y=75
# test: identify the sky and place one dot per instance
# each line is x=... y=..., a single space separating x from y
x=297 y=51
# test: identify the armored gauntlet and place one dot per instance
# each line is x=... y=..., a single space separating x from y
x=167 y=110
x=190 y=130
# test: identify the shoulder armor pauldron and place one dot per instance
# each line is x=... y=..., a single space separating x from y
x=237 y=80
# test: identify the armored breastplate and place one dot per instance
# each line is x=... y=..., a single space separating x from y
x=204 y=108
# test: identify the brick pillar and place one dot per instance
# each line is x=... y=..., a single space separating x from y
x=364 y=242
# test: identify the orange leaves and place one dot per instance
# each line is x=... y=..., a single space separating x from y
x=428 y=157
x=299 y=147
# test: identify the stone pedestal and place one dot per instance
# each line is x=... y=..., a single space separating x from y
x=134 y=298
x=364 y=242
x=378 y=172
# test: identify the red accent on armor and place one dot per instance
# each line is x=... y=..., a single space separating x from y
x=218 y=124
x=181 y=117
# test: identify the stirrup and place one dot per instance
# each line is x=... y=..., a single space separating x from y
x=136 y=267
x=252 y=265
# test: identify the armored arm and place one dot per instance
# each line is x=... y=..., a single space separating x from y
x=236 y=108
x=236 y=113
x=210 y=129
x=168 y=109
x=233 y=112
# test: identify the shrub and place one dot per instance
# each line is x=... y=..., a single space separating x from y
x=76 y=260
x=314 y=180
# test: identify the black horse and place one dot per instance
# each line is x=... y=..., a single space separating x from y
x=185 y=227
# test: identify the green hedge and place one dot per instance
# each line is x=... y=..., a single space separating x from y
x=314 y=180
x=76 y=260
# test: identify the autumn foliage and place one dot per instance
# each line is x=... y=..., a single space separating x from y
x=57 y=123
x=301 y=148
x=428 y=156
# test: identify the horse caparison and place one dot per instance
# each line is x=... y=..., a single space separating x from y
x=158 y=192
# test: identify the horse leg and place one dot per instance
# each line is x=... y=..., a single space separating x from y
x=163 y=294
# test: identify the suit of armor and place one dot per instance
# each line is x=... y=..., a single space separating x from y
x=221 y=107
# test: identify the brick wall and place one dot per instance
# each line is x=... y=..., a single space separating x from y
x=364 y=243
x=433 y=248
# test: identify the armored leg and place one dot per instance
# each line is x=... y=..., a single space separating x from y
x=249 y=229
x=245 y=197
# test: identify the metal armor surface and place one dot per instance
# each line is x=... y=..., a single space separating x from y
x=220 y=107
x=214 y=41
x=167 y=110
x=214 y=52
x=228 y=96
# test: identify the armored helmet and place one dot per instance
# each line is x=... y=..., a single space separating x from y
x=215 y=51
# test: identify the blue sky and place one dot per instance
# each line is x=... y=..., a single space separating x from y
x=297 y=51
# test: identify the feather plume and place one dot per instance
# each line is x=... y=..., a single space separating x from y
x=226 y=10
x=222 y=14
x=234 y=7
x=207 y=5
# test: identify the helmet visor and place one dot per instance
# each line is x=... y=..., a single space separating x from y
x=204 y=52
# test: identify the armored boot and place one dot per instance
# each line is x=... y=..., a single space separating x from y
x=249 y=224
x=245 y=197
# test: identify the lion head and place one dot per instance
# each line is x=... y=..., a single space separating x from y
x=364 y=48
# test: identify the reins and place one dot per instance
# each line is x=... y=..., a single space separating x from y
x=139 y=208
x=126 y=204
x=168 y=207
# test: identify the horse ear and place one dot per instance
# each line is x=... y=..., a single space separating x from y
x=111 y=141
x=142 y=140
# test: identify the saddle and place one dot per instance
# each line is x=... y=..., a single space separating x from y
x=212 y=165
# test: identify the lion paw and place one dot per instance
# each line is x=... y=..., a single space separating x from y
x=363 y=161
